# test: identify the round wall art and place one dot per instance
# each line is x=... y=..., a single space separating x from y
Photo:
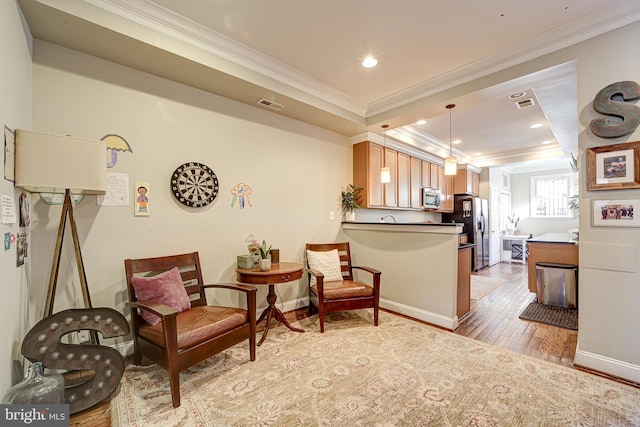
x=194 y=184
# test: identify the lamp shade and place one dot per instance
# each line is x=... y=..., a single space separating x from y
x=385 y=175
x=450 y=165
x=52 y=164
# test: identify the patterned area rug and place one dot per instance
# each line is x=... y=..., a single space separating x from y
x=558 y=316
x=482 y=286
x=399 y=373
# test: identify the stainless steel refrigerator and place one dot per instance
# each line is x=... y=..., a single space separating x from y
x=473 y=213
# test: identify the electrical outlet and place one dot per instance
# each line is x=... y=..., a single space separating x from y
x=332 y=215
x=83 y=336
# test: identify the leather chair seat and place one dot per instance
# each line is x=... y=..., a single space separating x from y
x=198 y=324
x=344 y=289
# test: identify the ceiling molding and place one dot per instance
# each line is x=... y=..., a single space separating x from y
x=580 y=30
x=169 y=23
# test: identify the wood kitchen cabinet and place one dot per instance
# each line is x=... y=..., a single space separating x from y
x=446 y=183
x=464 y=281
x=557 y=252
x=426 y=174
x=390 y=190
x=467 y=181
x=368 y=159
x=416 y=183
x=404 y=180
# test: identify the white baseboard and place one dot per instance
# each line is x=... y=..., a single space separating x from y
x=450 y=323
x=607 y=365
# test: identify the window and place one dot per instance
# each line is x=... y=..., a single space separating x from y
x=549 y=196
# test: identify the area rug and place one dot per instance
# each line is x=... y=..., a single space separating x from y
x=482 y=286
x=558 y=316
x=355 y=374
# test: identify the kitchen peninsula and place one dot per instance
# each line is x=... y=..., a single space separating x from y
x=419 y=264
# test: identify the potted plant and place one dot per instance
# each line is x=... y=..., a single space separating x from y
x=350 y=202
x=265 y=257
x=513 y=223
x=573 y=203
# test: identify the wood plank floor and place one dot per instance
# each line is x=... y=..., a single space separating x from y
x=493 y=319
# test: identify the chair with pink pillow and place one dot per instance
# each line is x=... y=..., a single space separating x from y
x=172 y=323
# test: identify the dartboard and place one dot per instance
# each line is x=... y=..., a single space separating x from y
x=194 y=184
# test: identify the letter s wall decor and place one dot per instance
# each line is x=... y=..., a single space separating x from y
x=605 y=104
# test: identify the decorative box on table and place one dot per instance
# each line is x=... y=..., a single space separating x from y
x=248 y=261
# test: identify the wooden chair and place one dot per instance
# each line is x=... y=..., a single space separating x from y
x=336 y=296
x=181 y=340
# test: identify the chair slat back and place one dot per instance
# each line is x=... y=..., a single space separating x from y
x=188 y=265
x=343 y=251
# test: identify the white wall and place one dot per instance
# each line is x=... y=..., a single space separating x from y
x=521 y=203
x=296 y=171
x=15 y=112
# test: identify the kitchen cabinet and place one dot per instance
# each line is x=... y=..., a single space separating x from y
x=445 y=186
x=416 y=183
x=467 y=181
x=556 y=248
x=368 y=159
x=391 y=189
x=463 y=306
x=426 y=174
x=404 y=180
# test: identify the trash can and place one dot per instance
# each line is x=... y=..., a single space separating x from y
x=557 y=284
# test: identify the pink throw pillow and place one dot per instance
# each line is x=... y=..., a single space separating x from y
x=164 y=288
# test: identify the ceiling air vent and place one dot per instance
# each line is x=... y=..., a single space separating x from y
x=525 y=103
x=270 y=104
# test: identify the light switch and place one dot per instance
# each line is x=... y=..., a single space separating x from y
x=332 y=215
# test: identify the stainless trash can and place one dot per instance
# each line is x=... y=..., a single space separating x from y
x=557 y=284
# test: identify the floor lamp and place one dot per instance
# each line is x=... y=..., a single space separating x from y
x=65 y=165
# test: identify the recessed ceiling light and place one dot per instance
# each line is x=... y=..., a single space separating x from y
x=455 y=142
x=546 y=142
x=369 y=62
x=421 y=122
x=478 y=154
x=536 y=125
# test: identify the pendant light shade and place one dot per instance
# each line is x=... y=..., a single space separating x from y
x=450 y=163
x=385 y=172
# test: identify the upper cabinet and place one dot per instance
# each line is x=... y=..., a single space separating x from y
x=467 y=182
x=408 y=175
x=368 y=159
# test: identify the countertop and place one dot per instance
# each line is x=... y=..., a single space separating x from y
x=555 y=238
x=408 y=227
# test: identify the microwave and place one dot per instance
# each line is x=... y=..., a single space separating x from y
x=430 y=198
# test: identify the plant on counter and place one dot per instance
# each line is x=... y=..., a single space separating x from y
x=264 y=251
x=513 y=219
x=351 y=198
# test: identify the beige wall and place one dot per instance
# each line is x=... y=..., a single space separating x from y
x=15 y=113
x=296 y=172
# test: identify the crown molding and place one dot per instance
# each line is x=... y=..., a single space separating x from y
x=156 y=18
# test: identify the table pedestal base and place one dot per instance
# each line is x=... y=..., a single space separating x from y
x=272 y=312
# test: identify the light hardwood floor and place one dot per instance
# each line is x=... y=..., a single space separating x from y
x=493 y=319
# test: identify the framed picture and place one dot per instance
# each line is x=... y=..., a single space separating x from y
x=616 y=213
x=613 y=167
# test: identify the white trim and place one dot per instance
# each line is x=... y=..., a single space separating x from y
x=607 y=365
x=450 y=323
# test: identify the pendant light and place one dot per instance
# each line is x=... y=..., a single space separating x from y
x=450 y=163
x=385 y=172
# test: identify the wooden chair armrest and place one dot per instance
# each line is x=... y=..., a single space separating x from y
x=314 y=272
x=369 y=269
x=160 y=310
x=233 y=286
